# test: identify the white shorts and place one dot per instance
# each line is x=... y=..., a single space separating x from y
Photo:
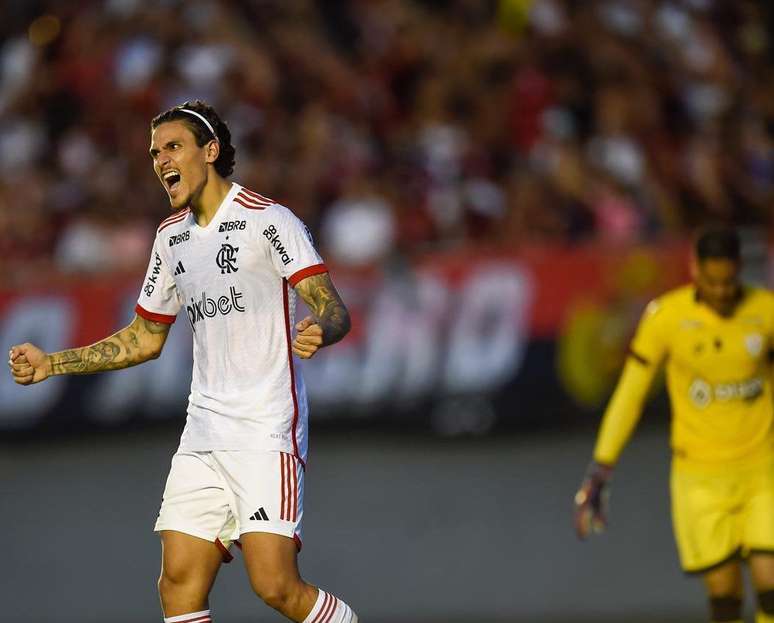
x=222 y=494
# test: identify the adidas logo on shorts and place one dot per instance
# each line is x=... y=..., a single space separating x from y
x=259 y=515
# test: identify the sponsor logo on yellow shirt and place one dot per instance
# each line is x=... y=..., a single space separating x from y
x=702 y=393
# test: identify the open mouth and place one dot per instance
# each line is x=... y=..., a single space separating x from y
x=172 y=180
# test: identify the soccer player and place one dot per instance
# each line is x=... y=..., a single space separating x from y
x=233 y=261
x=716 y=338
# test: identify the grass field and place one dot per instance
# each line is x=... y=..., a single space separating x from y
x=406 y=529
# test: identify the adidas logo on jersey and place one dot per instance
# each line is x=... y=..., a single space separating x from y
x=179 y=269
x=260 y=515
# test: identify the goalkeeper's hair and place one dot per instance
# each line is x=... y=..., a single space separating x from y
x=718 y=243
x=224 y=165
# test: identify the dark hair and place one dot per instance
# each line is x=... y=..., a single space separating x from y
x=719 y=243
x=224 y=165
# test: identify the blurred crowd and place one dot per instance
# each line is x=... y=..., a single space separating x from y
x=391 y=126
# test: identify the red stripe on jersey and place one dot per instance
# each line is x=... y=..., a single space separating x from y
x=149 y=315
x=248 y=205
x=175 y=218
x=331 y=608
x=282 y=485
x=227 y=557
x=323 y=611
x=175 y=215
x=335 y=604
x=253 y=200
x=286 y=305
x=316 y=269
x=255 y=195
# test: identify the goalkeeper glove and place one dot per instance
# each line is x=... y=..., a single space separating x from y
x=591 y=500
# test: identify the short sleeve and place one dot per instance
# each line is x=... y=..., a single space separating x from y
x=158 y=299
x=291 y=248
x=650 y=341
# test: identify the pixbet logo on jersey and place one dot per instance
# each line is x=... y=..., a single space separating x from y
x=153 y=277
x=226 y=259
x=273 y=237
x=209 y=308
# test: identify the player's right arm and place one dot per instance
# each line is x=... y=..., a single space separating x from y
x=647 y=351
x=140 y=341
x=136 y=343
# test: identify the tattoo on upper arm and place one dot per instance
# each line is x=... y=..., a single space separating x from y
x=154 y=327
x=321 y=296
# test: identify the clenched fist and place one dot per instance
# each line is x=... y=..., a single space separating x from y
x=28 y=364
x=309 y=337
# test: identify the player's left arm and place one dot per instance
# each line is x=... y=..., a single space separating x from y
x=330 y=320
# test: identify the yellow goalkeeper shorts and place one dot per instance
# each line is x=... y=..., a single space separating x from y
x=723 y=511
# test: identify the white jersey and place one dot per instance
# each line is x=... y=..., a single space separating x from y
x=234 y=281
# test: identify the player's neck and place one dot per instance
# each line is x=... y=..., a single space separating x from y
x=207 y=202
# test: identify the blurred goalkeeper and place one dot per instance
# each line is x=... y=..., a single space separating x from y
x=716 y=338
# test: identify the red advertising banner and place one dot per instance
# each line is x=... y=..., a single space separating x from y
x=459 y=324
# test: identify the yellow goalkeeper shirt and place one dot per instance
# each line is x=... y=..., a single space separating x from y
x=719 y=376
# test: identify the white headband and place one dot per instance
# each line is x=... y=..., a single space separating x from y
x=207 y=123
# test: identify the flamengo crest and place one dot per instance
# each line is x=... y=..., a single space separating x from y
x=226 y=259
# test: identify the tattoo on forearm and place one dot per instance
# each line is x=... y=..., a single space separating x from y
x=104 y=355
x=120 y=350
x=322 y=298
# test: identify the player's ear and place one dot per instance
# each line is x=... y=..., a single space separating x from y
x=212 y=151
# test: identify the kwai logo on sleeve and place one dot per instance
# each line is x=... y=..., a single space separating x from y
x=153 y=276
x=274 y=240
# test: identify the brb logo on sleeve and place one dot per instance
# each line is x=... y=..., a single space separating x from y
x=226 y=259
